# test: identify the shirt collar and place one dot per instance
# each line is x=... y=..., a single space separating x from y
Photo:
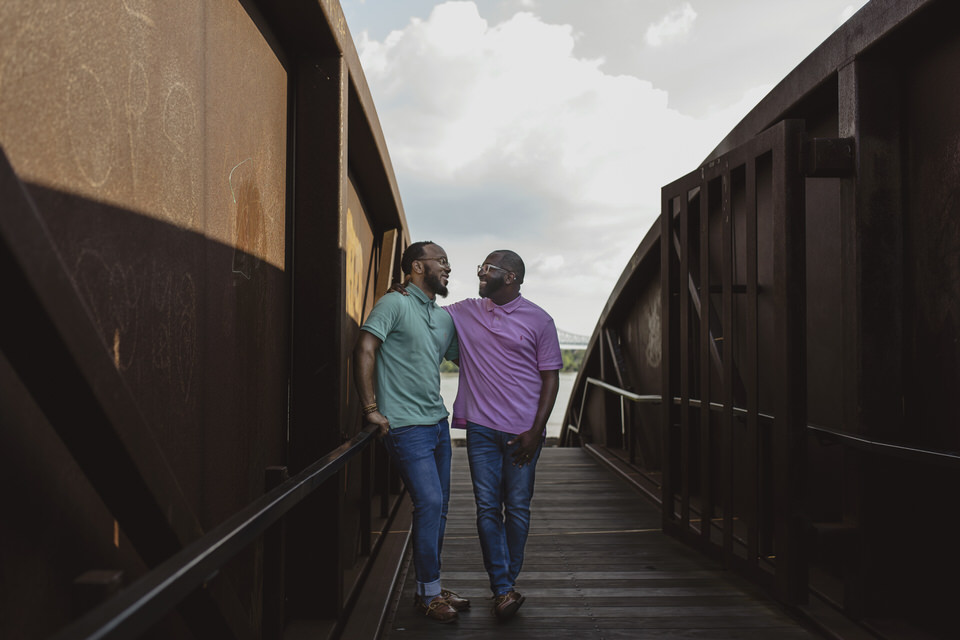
x=418 y=293
x=510 y=307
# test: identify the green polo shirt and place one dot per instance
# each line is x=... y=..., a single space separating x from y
x=416 y=336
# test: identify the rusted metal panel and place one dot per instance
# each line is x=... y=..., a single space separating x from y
x=154 y=144
x=931 y=349
x=52 y=344
x=164 y=194
x=931 y=269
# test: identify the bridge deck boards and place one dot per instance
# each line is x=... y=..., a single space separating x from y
x=596 y=566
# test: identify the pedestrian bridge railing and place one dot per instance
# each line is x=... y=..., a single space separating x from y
x=824 y=434
x=145 y=602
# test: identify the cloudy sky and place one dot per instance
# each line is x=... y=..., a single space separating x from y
x=549 y=126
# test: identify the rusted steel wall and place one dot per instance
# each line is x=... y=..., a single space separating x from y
x=154 y=145
x=831 y=499
x=153 y=142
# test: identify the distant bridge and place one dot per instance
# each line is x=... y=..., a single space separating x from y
x=572 y=340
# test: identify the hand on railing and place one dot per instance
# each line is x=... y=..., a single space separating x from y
x=380 y=420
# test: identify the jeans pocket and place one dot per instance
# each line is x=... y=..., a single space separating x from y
x=397 y=432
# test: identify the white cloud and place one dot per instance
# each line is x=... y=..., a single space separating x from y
x=547 y=263
x=674 y=27
x=502 y=138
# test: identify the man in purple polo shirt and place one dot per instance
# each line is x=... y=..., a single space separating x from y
x=509 y=376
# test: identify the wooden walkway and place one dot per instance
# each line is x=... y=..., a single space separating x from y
x=596 y=566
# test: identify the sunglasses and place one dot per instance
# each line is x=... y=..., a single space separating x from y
x=482 y=269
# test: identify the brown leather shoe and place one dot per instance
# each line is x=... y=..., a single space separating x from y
x=505 y=605
x=438 y=609
x=458 y=603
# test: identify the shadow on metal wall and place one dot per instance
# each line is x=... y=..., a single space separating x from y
x=144 y=374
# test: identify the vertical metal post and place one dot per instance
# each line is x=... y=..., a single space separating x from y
x=366 y=498
x=623 y=424
x=729 y=333
x=608 y=402
x=684 y=363
x=383 y=474
x=789 y=239
x=706 y=348
x=274 y=557
x=748 y=367
x=317 y=387
x=668 y=284
x=873 y=269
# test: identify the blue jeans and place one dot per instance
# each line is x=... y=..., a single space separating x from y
x=422 y=454
x=503 y=493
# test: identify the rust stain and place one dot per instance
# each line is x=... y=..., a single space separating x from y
x=353 y=249
x=250 y=229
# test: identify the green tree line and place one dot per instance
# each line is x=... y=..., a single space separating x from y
x=572 y=359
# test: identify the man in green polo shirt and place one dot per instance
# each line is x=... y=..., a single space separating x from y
x=397 y=373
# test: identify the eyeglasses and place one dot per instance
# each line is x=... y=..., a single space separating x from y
x=482 y=269
x=442 y=261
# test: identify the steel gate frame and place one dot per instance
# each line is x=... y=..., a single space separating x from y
x=782 y=145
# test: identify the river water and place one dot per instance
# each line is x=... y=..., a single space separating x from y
x=448 y=389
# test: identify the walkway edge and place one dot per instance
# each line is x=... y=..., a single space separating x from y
x=643 y=486
x=373 y=603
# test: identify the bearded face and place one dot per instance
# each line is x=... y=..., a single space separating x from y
x=491 y=283
x=434 y=280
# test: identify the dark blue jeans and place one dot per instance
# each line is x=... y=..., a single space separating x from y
x=422 y=454
x=503 y=493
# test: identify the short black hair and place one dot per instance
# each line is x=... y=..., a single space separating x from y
x=411 y=253
x=512 y=262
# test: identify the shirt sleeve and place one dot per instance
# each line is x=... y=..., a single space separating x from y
x=454 y=308
x=385 y=315
x=548 y=348
x=453 y=351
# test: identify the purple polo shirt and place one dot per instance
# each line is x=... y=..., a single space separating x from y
x=503 y=349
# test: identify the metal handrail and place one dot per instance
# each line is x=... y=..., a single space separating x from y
x=888 y=448
x=865 y=444
x=623 y=393
x=148 y=599
x=716 y=406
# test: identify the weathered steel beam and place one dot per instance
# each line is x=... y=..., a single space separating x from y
x=829 y=158
x=315 y=589
x=49 y=339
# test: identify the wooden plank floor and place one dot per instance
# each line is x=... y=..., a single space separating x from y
x=596 y=566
